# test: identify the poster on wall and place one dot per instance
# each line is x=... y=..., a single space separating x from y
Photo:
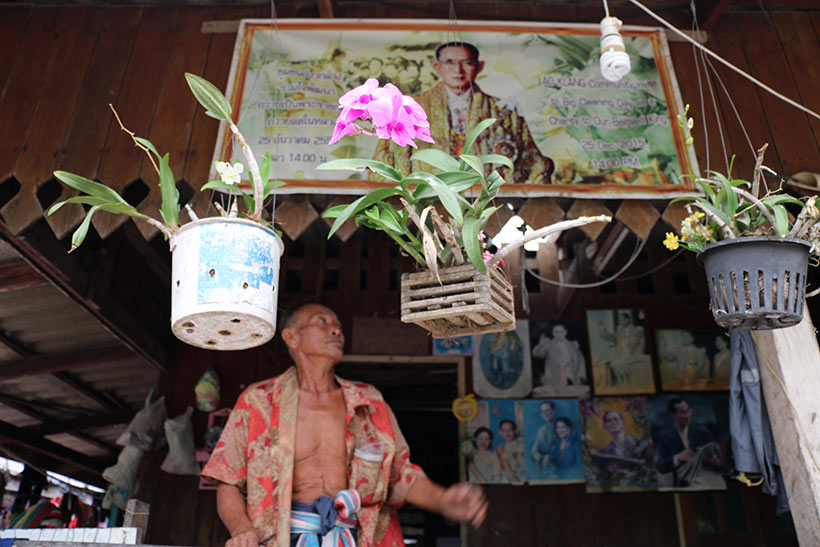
x=693 y=359
x=501 y=363
x=558 y=350
x=552 y=430
x=619 y=352
x=618 y=453
x=566 y=129
x=457 y=345
x=691 y=444
x=495 y=444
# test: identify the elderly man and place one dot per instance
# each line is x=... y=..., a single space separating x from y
x=545 y=437
x=456 y=104
x=683 y=443
x=309 y=454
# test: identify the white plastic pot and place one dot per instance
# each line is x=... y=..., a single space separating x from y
x=224 y=283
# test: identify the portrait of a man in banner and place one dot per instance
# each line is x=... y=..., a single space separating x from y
x=565 y=128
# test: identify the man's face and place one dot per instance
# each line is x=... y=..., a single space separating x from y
x=317 y=332
x=613 y=423
x=559 y=332
x=547 y=412
x=457 y=68
x=682 y=415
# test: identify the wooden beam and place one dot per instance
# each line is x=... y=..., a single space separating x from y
x=19 y=436
x=19 y=275
x=78 y=423
x=709 y=12
x=790 y=375
x=326 y=9
x=105 y=400
x=46 y=364
x=48 y=256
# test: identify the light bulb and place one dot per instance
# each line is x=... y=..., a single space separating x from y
x=614 y=60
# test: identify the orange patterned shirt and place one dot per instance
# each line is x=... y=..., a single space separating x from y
x=256 y=449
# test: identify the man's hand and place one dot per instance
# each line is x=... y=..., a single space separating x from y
x=244 y=536
x=683 y=456
x=464 y=502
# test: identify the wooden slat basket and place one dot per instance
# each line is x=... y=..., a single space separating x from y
x=465 y=302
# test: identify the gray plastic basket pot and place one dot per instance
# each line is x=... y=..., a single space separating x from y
x=756 y=282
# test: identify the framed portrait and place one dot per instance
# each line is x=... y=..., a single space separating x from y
x=554 y=452
x=494 y=449
x=619 y=351
x=690 y=360
x=501 y=363
x=618 y=452
x=567 y=130
x=457 y=345
x=558 y=351
x=691 y=443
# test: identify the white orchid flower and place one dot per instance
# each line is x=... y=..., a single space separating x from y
x=230 y=174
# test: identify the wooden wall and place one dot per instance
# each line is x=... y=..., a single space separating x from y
x=61 y=65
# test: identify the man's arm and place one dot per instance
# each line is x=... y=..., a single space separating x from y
x=230 y=505
x=461 y=502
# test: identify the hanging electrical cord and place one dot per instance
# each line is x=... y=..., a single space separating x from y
x=724 y=61
x=638 y=248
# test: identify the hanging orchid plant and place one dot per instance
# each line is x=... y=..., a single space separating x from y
x=100 y=197
x=418 y=225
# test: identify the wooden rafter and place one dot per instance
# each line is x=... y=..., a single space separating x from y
x=19 y=275
x=710 y=12
x=105 y=400
x=326 y=9
x=78 y=423
x=19 y=435
x=46 y=364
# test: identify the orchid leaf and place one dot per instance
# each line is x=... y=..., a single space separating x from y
x=436 y=158
x=264 y=168
x=82 y=230
x=471 y=243
x=88 y=186
x=360 y=164
x=209 y=96
x=360 y=204
x=271 y=185
x=476 y=131
x=111 y=207
x=147 y=144
x=475 y=164
x=497 y=158
x=219 y=185
x=169 y=209
x=781 y=218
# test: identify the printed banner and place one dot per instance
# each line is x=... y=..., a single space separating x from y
x=567 y=130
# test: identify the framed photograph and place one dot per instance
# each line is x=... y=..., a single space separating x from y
x=619 y=351
x=558 y=350
x=567 y=129
x=691 y=360
x=501 y=363
x=691 y=447
x=458 y=345
x=552 y=430
x=495 y=449
x=618 y=454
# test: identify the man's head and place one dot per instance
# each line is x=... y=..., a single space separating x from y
x=680 y=412
x=548 y=411
x=313 y=332
x=559 y=332
x=457 y=65
x=613 y=422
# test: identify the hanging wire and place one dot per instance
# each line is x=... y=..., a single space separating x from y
x=724 y=61
x=640 y=244
x=606 y=9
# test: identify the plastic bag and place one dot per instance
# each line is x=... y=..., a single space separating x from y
x=181 y=459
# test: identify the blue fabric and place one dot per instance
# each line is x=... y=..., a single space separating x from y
x=323 y=507
x=9 y=542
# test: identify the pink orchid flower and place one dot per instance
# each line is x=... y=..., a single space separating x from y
x=487 y=256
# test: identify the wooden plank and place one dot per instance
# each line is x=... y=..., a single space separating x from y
x=802 y=49
x=548 y=268
x=136 y=516
x=136 y=103
x=709 y=13
x=380 y=301
x=294 y=215
x=25 y=81
x=174 y=115
x=45 y=364
x=81 y=423
x=790 y=375
x=674 y=214
x=12 y=28
x=541 y=212
x=639 y=216
x=18 y=435
x=589 y=207
x=348 y=228
x=91 y=120
x=52 y=116
x=19 y=275
x=104 y=400
x=325 y=8
x=203 y=136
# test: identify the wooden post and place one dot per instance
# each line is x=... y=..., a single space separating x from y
x=790 y=375
x=136 y=515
